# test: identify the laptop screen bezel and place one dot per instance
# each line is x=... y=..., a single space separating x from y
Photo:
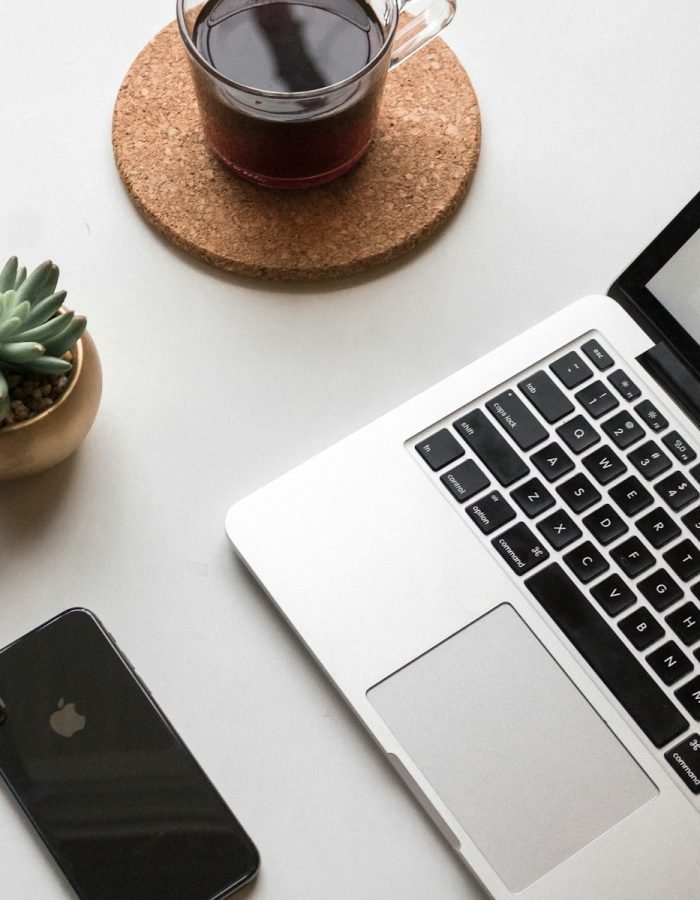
x=631 y=291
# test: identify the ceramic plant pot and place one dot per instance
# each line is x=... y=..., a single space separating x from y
x=49 y=438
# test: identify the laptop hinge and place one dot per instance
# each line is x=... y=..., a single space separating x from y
x=668 y=370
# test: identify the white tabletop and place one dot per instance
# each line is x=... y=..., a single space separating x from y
x=214 y=384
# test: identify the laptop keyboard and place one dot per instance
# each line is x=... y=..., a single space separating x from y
x=584 y=489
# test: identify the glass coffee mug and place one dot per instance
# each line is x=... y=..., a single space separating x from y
x=289 y=90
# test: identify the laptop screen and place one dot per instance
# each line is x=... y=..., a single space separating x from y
x=661 y=288
x=677 y=286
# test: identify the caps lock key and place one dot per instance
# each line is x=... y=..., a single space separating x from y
x=516 y=420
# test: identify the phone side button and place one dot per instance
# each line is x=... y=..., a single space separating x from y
x=135 y=673
x=434 y=815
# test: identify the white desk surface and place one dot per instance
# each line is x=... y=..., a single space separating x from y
x=214 y=384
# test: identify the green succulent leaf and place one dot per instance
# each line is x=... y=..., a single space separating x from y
x=9 y=326
x=35 y=282
x=49 y=285
x=48 y=365
x=34 y=331
x=23 y=352
x=46 y=331
x=65 y=339
x=21 y=310
x=9 y=304
x=45 y=309
x=8 y=274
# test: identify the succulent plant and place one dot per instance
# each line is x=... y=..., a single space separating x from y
x=34 y=334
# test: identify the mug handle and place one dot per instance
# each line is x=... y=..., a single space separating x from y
x=425 y=20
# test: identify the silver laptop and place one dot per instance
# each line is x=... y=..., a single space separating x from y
x=502 y=578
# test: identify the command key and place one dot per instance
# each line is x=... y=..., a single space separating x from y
x=684 y=759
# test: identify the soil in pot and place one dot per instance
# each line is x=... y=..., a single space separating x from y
x=32 y=393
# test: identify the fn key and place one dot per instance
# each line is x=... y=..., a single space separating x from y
x=439 y=449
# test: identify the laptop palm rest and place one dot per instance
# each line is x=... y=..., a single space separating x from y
x=510 y=745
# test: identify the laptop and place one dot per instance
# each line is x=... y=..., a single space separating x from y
x=502 y=578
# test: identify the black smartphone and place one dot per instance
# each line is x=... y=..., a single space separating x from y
x=116 y=796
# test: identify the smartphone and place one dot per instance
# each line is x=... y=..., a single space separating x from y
x=114 y=793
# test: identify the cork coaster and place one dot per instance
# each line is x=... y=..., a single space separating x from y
x=415 y=173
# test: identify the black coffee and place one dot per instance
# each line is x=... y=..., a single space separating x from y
x=289 y=48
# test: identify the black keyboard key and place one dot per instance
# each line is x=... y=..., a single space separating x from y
x=600 y=358
x=546 y=397
x=632 y=557
x=660 y=590
x=677 y=491
x=597 y=399
x=631 y=496
x=605 y=524
x=679 y=447
x=520 y=548
x=650 y=460
x=641 y=628
x=604 y=464
x=684 y=559
x=586 y=562
x=490 y=512
x=613 y=594
x=669 y=662
x=691 y=520
x=440 y=449
x=516 y=420
x=571 y=370
x=552 y=461
x=684 y=759
x=607 y=655
x=559 y=529
x=532 y=497
x=491 y=447
x=689 y=696
x=624 y=385
x=658 y=528
x=578 y=434
x=623 y=429
x=465 y=480
x=685 y=622
x=578 y=493
x=648 y=413
x=695 y=472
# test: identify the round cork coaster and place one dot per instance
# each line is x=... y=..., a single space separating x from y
x=415 y=173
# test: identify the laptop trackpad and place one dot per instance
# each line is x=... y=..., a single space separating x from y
x=515 y=751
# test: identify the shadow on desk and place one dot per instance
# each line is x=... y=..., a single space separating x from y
x=29 y=505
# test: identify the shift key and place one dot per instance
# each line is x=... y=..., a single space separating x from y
x=491 y=447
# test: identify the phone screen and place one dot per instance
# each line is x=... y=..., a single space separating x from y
x=115 y=794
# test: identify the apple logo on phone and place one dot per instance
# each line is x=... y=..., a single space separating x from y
x=66 y=720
